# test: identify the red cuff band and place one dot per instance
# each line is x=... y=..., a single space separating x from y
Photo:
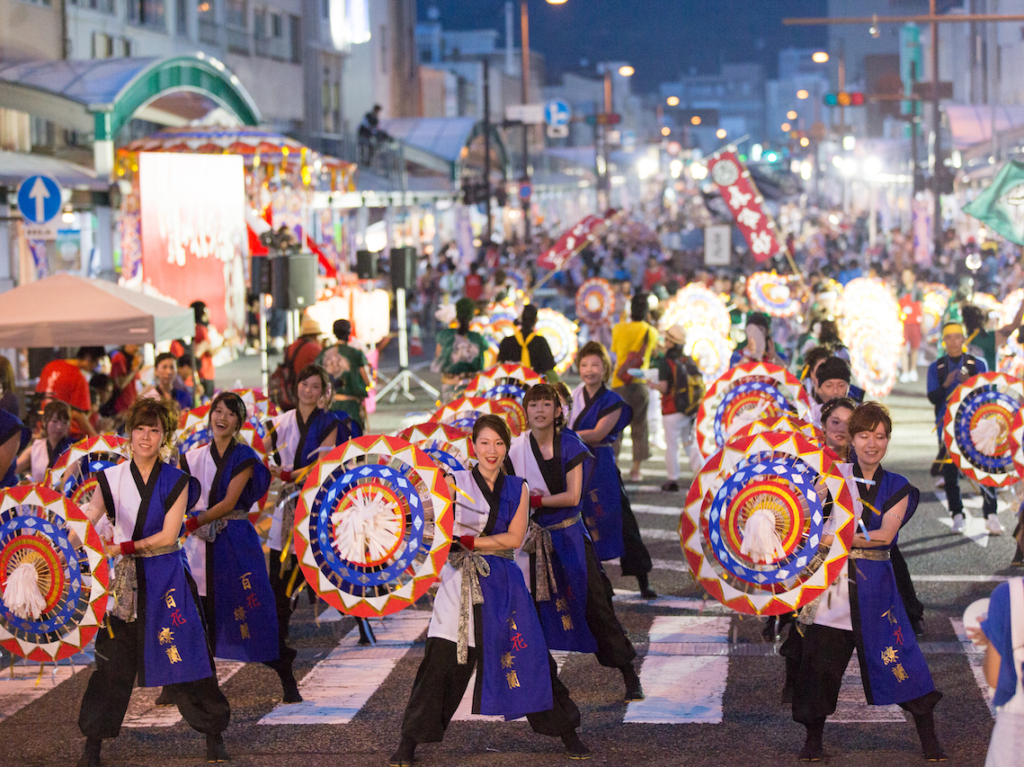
x=286 y=476
x=468 y=542
x=128 y=548
x=192 y=524
x=535 y=501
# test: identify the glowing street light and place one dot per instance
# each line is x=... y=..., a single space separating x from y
x=557 y=2
x=818 y=57
x=695 y=120
x=802 y=94
x=805 y=141
x=699 y=172
x=721 y=133
x=672 y=101
x=786 y=127
x=791 y=114
x=626 y=71
x=666 y=131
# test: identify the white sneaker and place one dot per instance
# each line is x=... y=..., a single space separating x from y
x=904 y=377
x=995 y=527
x=958 y=523
x=913 y=375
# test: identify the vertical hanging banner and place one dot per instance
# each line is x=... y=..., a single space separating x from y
x=740 y=194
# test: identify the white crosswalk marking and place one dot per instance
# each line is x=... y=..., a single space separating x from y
x=682 y=689
x=339 y=686
x=975 y=657
x=974 y=524
x=143 y=711
x=852 y=707
x=26 y=684
x=661 y=511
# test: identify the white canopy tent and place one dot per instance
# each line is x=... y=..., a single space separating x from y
x=65 y=310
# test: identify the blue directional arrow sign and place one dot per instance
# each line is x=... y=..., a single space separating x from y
x=557 y=113
x=39 y=199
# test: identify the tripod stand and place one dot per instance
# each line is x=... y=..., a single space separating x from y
x=404 y=375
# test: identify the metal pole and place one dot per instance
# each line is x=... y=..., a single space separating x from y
x=264 y=362
x=487 y=145
x=403 y=343
x=601 y=140
x=524 y=18
x=936 y=126
x=913 y=133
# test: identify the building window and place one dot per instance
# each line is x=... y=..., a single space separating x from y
x=237 y=23
x=147 y=13
x=383 y=49
x=207 y=22
x=295 y=36
x=181 y=18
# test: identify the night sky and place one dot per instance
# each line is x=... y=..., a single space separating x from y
x=661 y=38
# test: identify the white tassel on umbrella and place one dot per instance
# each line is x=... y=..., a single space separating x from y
x=367 y=527
x=760 y=540
x=747 y=417
x=22 y=595
x=985 y=436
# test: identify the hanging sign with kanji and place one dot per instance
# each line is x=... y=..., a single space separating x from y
x=740 y=194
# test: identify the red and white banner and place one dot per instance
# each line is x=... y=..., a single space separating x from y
x=741 y=195
x=572 y=242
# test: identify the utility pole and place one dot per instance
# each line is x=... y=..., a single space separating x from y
x=604 y=196
x=487 y=145
x=934 y=19
x=524 y=19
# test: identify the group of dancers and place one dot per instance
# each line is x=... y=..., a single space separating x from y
x=191 y=582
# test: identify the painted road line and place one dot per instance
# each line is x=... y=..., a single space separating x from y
x=976 y=658
x=960 y=578
x=682 y=689
x=464 y=713
x=26 y=685
x=631 y=489
x=658 y=564
x=657 y=534
x=853 y=707
x=339 y=685
x=143 y=711
x=661 y=511
x=974 y=524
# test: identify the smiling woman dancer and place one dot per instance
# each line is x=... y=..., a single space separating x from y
x=573 y=596
x=224 y=551
x=862 y=609
x=501 y=638
x=156 y=630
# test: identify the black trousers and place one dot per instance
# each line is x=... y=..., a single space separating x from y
x=441 y=683
x=951 y=475
x=614 y=649
x=825 y=654
x=905 y=586
x=283 y=603
x=635 y=560
x=201 y=703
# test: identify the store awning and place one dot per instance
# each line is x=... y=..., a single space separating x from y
x=15 y=167
x=971 y=124
x=66 y=310
x=441 y=144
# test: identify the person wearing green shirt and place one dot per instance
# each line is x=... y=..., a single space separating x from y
x=460 y=351
x=350 y=374
x=986 y=343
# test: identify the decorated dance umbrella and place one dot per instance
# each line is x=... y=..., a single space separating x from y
x=872 y=328
x=515 y=415
x=978 y=424
x=494 y=332
x=257 y=403
x=783 y=423
x=1017 y=442
x=54 y=575
x=595 y=301
x=560 y=333
x=73 y=473
x=773 y=294
x=988 y=303
x=752 y=528
x=936 y=299
x=746 y=393
x=433 y=434
x=1009 y=309
x=517 y=278
x=504 y=310
x=463 y=412
x=695 y=304
x=710 y=349
x=373 y=526
x=504 y=381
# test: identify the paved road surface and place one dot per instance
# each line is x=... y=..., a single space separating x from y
x=713 y=684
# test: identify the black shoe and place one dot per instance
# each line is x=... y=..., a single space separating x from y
x=574 y=747
x=670 y=487
x=918 y=627
x=290 y=691
x=215 y=751
x=90 y=754
x=405 y=754
x=634 y=690
x=165 y=698
x=645 y=587
x=366 y=636
x=813 y=750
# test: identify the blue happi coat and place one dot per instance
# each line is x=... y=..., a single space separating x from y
x=564 y=616
x=602 y=500
x=893 y=668
x=169 y=631
x=512 y=675
x=230 y=570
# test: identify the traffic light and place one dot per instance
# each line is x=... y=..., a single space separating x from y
x=844 y=99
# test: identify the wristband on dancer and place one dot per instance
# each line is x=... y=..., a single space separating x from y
x=536 y=501
x=128 y=548
x=468 y=542
x=192 y=524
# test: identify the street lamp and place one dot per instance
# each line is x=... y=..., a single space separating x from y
x=666 y=131
x=818 y=57
x=721 y=133
x=791 y=114
x=786 y=127
x=802 y=94
x=672 y=101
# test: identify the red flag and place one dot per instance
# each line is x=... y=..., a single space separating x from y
x=741 y=195
x=569 y=244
